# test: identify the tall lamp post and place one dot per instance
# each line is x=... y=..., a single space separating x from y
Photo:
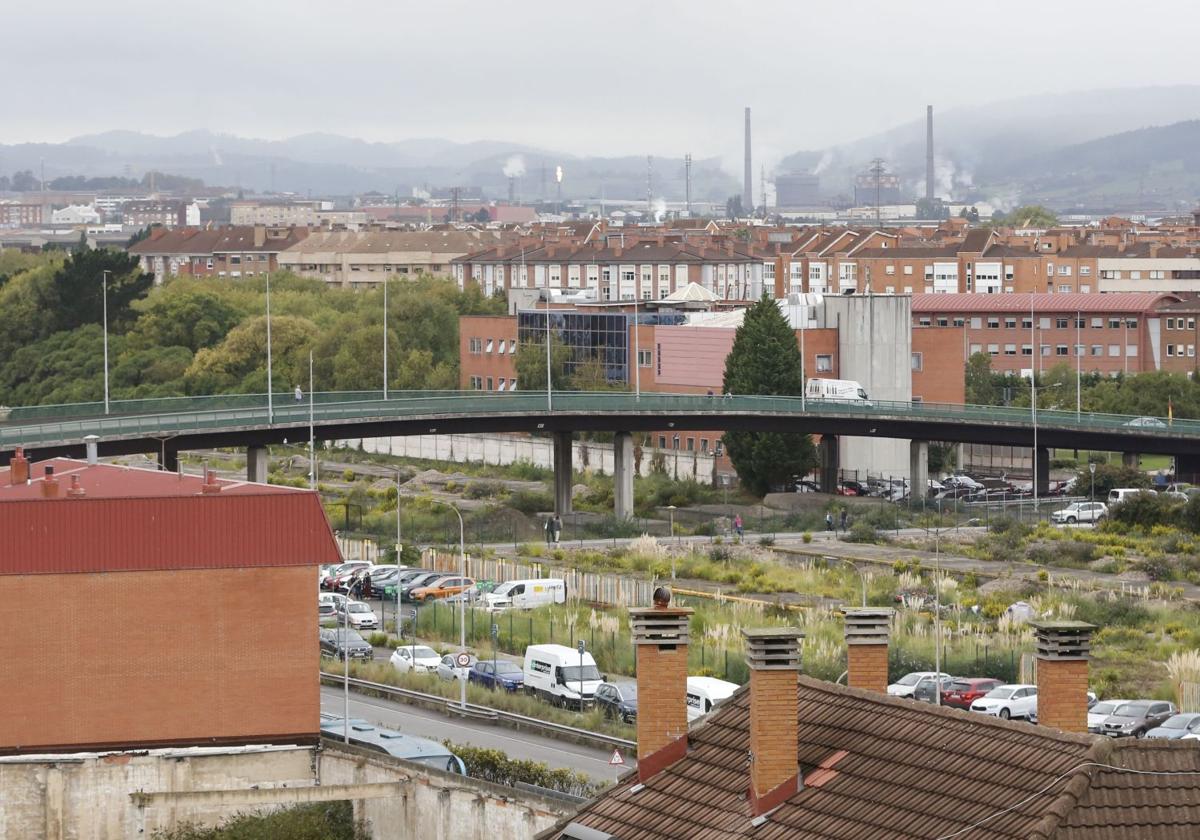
x=385 y=337
x=1092 y=495
x=462 y=604
x=549 y=381
x=312 y=429
x=270 y=394
x=104 y=293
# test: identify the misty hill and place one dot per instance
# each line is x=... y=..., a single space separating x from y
x=993 y=144
x=332 y=164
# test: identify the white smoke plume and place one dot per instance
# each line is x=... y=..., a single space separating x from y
x=823 y=163
x=660 y=209
x=514 y=167
x=949 y=178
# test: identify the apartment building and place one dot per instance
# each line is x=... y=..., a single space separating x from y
x=169 y=213
x=1107 y=334
x=299 y=213
x=357 y=259
x=617 y=267
x=231 y=251
x=20 y=214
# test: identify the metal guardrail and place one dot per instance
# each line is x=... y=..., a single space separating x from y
x=239 y=411
x=513 y=719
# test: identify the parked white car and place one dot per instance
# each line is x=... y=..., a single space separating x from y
x=1007 y=701
x=907 y=685
x=449 y=669
x=1097 y=713
x=332 y=598
x=1080 y=512
x=526 y=594
x=705 y=692
x=360 y=615
x=416 y=658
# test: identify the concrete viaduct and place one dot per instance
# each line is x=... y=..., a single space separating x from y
x=167 y=427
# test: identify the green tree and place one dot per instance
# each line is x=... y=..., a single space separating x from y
x=239 y=363
x=530 y=364
x=765 y=360
x=78 y=292
x=1031 y=216
x=980 y=384
x=1107 y=477
x=184 y=314
x=591 y=375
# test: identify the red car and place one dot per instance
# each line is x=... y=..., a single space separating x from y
x=961 y=693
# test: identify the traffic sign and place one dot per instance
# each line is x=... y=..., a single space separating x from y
x=616 y=758
x=580 y=647
x=463 y=660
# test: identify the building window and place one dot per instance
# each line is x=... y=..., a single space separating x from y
x=1171 y=350
x=489 y=346
x=1114 y=323
x=908 y=269
x=475 y=346
x=976 y=348
x=1064 y=288
x=943 y=321
x=662 y=441
x=1191 y=350
x=1010 y=323
x=918 y=362
x=476 y=383
x=993 y=323
x=1046 y=349
x=1010 y=349
x=958 y=322
x=891 y=269
x=1061 y=323
x=1097 y=350
x=1060 y=350
x=1097 y=323
x=501 y=383
x=824 y=363
x=1026 y=349
x=691 y=444
x=1170 y=323
x=1026 y=323
x=993 y=349
x=1135 y=275
x=1191 y=323
x=501 y=348
x=490 y=385
x=645 y=358
x=1085 y=271
x=923 y=321
x=1114 y=351
x=1132 y=323
x=1131 y=350
x=1078 y=349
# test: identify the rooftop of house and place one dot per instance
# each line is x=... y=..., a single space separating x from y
x=876 y=767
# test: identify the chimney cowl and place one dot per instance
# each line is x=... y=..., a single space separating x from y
x=92 y=445
x=18 y=467
x=75 y=491
x=49 y=484
x=210 y=484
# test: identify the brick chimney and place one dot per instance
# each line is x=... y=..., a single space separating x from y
x=867 y=647
x=50 y=484
x=210 y=484
x=660 y=636
x=773 y=654
x=18 y=467
x=260 y=236
x=1063 y=651
x=75 y=491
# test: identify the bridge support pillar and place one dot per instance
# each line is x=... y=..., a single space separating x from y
x=960 y=455
x=829 y=463
x=1043 y=472
x=1187 y=468
x=1130 y=460
x=169 y=459
x=256 y=464
x=918 y=471
x=623 y=475
x=562 y=473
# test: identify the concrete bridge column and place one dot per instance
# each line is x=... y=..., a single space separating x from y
x=623 y=475
x=256 y=464
x=829 y=463
x=960 y=455
x=1043 y=472
x=562 y=473
x=1129 y=459
x=169 y=459
x=918 y=471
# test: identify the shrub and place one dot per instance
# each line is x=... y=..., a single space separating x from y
x=720 y=554
x=807 y=537
x=323 y=821
x=348 y=474
x=1146 y=511
x=766 y=539
x=1043 y=575
x=531 y=501
x=495 y=766
x=378 y=639
x=861 y=532
x=483 y=489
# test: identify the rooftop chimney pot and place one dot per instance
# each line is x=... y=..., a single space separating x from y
x=50 y=484
x=867 y=630
x=773 y=654
x=661 y=636
x=1063 y=651
x=92 y=444
x=210 y=483
x=18 y=467
x=75 y=491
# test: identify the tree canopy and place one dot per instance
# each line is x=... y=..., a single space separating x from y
x=765 y=360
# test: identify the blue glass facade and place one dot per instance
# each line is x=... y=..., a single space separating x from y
x=592 y=335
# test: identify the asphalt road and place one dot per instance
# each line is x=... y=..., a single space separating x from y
x=429 y=724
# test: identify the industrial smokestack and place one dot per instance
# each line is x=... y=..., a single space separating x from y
x=747 y=175
x=929 y=153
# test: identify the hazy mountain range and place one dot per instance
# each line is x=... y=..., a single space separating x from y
x=1111 y=148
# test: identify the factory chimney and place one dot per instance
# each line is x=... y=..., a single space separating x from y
x=747 y=175
x=929 y=153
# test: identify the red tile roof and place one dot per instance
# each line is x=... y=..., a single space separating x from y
x=135 y=519
x=891 y=769
x=1042 y=303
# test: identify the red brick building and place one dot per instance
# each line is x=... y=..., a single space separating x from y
x=149 y=609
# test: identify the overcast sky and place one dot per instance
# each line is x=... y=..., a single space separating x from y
x=617 y=77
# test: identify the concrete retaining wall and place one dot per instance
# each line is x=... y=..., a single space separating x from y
x=501 y=450
x=97 y=796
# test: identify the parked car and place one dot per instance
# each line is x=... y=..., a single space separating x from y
x=326 y=613
x=561 y=675
x=526 y=594
x=1120 y=494
x=340 y=642
x=442 y=587
x=335 y=574
x=806 y=486
x=1146 y=423
x=1137 y=717
x=1176 y=726
x=705 y=692
x=417 y=658
x=618 y=700
x=851 y=488
x=964 y=691
x=1007 y=701
x=416 y=582
x=449 y=669
x=505 y=674
x=905 y=686
x=360 y=615
x=927 y=688
x=402 y=578
x=332 y=598
x=1099 y=712
x=1080 y=512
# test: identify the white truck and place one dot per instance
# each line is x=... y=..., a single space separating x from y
x=705 y=692
x=836 y=390
x=561 y=675
x=526 y=594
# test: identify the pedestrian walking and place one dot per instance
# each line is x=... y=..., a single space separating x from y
x=738 y=526
x=828 y=521
x=845 y=519
x=549 y=530
x=556 y=528
x=299 y=394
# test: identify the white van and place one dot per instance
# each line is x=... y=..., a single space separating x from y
x=1120 y=494
x=705 y=692
x=526 y=594
x=836 y=390
x=561 y=675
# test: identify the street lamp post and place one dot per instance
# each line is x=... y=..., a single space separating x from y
x=385 y=337
x=549 y=384
x=671 y=512
x=462 y=604
x=312 y=429
x=346 y=668
x=270 y=394
x=104 y=293
x=1092 y=494
x=637 y=348
x=862 y=578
